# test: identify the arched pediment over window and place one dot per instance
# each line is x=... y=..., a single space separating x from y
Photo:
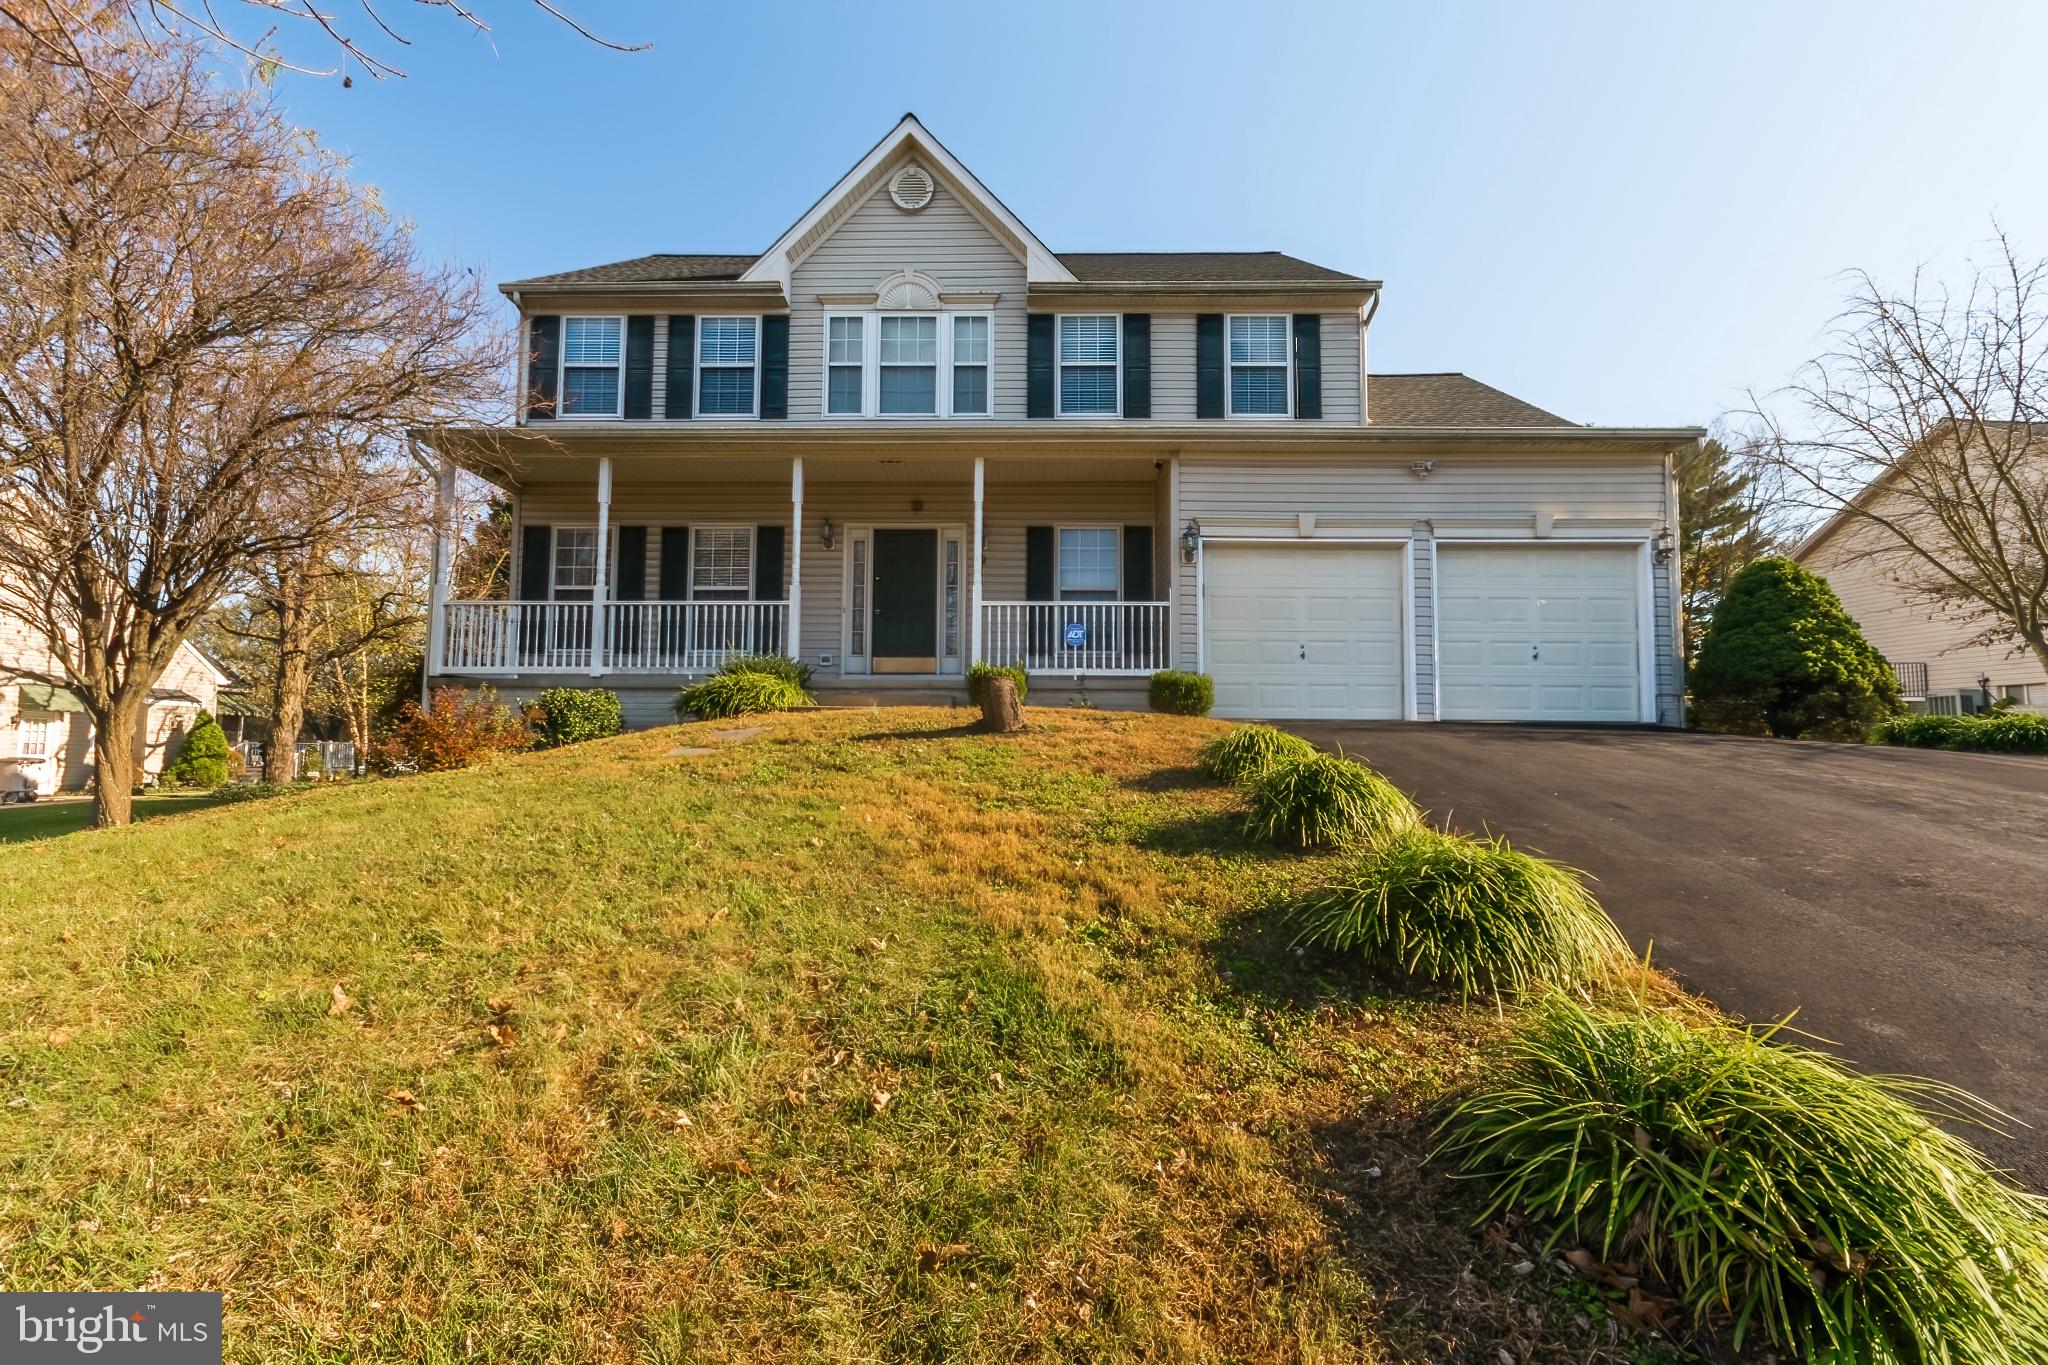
x=908 y=290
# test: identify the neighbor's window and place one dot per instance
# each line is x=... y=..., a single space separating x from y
x=844 y=347
x=726 y=350
x=34 y=740
x=1088 y=359
x=575 y=559
x=908 y=357
x=970 y=365
x=590 y=366
x=1088 y=563
x=722 y=561
x=1258 y=365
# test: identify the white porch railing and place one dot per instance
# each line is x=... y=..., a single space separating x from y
x=652 y=637
x=1076 y=637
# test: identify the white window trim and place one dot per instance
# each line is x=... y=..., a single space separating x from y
x=697 y=371
x=1230 y=411
x=1059 y=556
x=554 y=558
x=1059 y=370
x=618 y=411
x=871 y=365
x=753 y=560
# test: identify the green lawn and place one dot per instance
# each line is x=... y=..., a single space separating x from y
x=49 y=818
x=862 y=1039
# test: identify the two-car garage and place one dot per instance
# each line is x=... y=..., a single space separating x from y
x=1529 y=631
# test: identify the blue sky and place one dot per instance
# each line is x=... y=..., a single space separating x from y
x=1625 y=213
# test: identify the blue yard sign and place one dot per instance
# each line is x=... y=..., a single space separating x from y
x=1077 y=635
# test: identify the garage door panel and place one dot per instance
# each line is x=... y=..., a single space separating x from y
x=1304 y=631
x=1539 y=633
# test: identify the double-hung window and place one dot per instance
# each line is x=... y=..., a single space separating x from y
x=845 y=364
x=1088 y=563
x=575 y=566
x=1088 y=364
x=1259 y=349
x=728 y=353
x=970 y=365
x=591 y=361
x=34 y=741
x=908 y=362
x=722 y=562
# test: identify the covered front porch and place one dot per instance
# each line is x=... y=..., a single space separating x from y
x=868 y=568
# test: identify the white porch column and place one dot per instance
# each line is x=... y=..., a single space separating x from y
x=974 y=570
x=437 y=583
x=796 y=555
x=602 y=589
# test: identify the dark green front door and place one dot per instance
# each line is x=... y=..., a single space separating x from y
x=905 y=614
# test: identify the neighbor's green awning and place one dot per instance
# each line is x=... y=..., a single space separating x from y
x=48 y=697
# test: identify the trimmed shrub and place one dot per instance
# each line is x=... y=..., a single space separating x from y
x=1249 y=750
x=980 y=673
x=1770 y=1185
x=456 y=730
x=791 y=671
x=1182 y=694
x=724 y=695
x=1473 y=913
x=1326 y=801
x=1782 y=658
x=204 y=760
x=571 y=715
x=1995 y=732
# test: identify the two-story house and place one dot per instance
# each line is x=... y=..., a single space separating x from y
x=909 y=436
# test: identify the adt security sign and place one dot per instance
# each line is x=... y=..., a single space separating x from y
x=1077 y=635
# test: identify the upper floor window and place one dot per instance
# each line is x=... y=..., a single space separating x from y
x=970 y=365
x=722 y=561
x=728 y=355
x=1088 y=364
x=1258 y=365
x=1088 y=563
x=591 y=350
x=845 y=364
x=909 y=364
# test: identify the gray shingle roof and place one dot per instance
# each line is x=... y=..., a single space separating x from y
x=662 y=268
x=1450 y=400
x=1196 y=267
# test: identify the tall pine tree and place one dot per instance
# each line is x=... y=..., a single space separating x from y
x=1720 y=530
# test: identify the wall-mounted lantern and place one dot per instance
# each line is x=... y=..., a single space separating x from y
x=1663 y=544
x=1190 y=541
x=827 y=533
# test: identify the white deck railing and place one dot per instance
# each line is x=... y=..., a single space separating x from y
x=1076 y=637
x=649 y=637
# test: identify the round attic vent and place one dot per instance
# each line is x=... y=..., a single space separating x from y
x=911 y=188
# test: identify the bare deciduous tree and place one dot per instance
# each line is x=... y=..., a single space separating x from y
x=1924 y=427
x=199 y=315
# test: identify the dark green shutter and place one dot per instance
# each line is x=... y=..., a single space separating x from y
x=682 y=349
x=1308 y=365
x=632 y=579
x=1038 y=367
x=1208 y=365
x=675 y=563
x=1137 y=564
x=534 y=544
x=544 y=354
x=1038 y=564
x=768 y=542
x=775 y=366
x=640 y=367
x=1137 y=364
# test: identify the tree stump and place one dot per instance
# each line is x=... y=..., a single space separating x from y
x=1000 y=713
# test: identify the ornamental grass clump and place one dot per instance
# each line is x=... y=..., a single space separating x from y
x=1326 y=801
x=725 y=695
x=1473 y=913
x=1249 y=750
x=1773 y=1188
x=1992 y=732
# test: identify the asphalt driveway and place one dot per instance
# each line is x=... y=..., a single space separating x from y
x=1898 y=899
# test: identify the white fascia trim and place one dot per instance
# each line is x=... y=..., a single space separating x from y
x=1040 y=265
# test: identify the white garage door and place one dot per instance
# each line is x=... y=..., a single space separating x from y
x=1538 y=633
x=1304 y=632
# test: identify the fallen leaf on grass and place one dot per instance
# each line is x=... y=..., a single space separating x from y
x=931 y=1259
x=880 y=1099
x=61 y=1036
x=339 y=1002
x=403 y=1098
x=501 y=1034
x=498 y=1006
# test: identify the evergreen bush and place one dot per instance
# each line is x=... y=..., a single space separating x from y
x=1182 y=694
x=204 y=759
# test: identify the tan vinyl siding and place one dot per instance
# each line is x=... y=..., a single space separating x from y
x=1008 y=510
x=1341 y=397
x=1173 y=367
x=655 y=506
x=1422 y=554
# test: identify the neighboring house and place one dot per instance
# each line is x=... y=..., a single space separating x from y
x=45 y=735
x=909 y=435
x=1939 y=669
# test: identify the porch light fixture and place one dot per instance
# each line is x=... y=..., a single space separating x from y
x=1422 y=469
x=828 y=534
x=1663 y=544
x=1190 y=541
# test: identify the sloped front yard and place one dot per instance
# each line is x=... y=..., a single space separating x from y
x=860 y=1038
